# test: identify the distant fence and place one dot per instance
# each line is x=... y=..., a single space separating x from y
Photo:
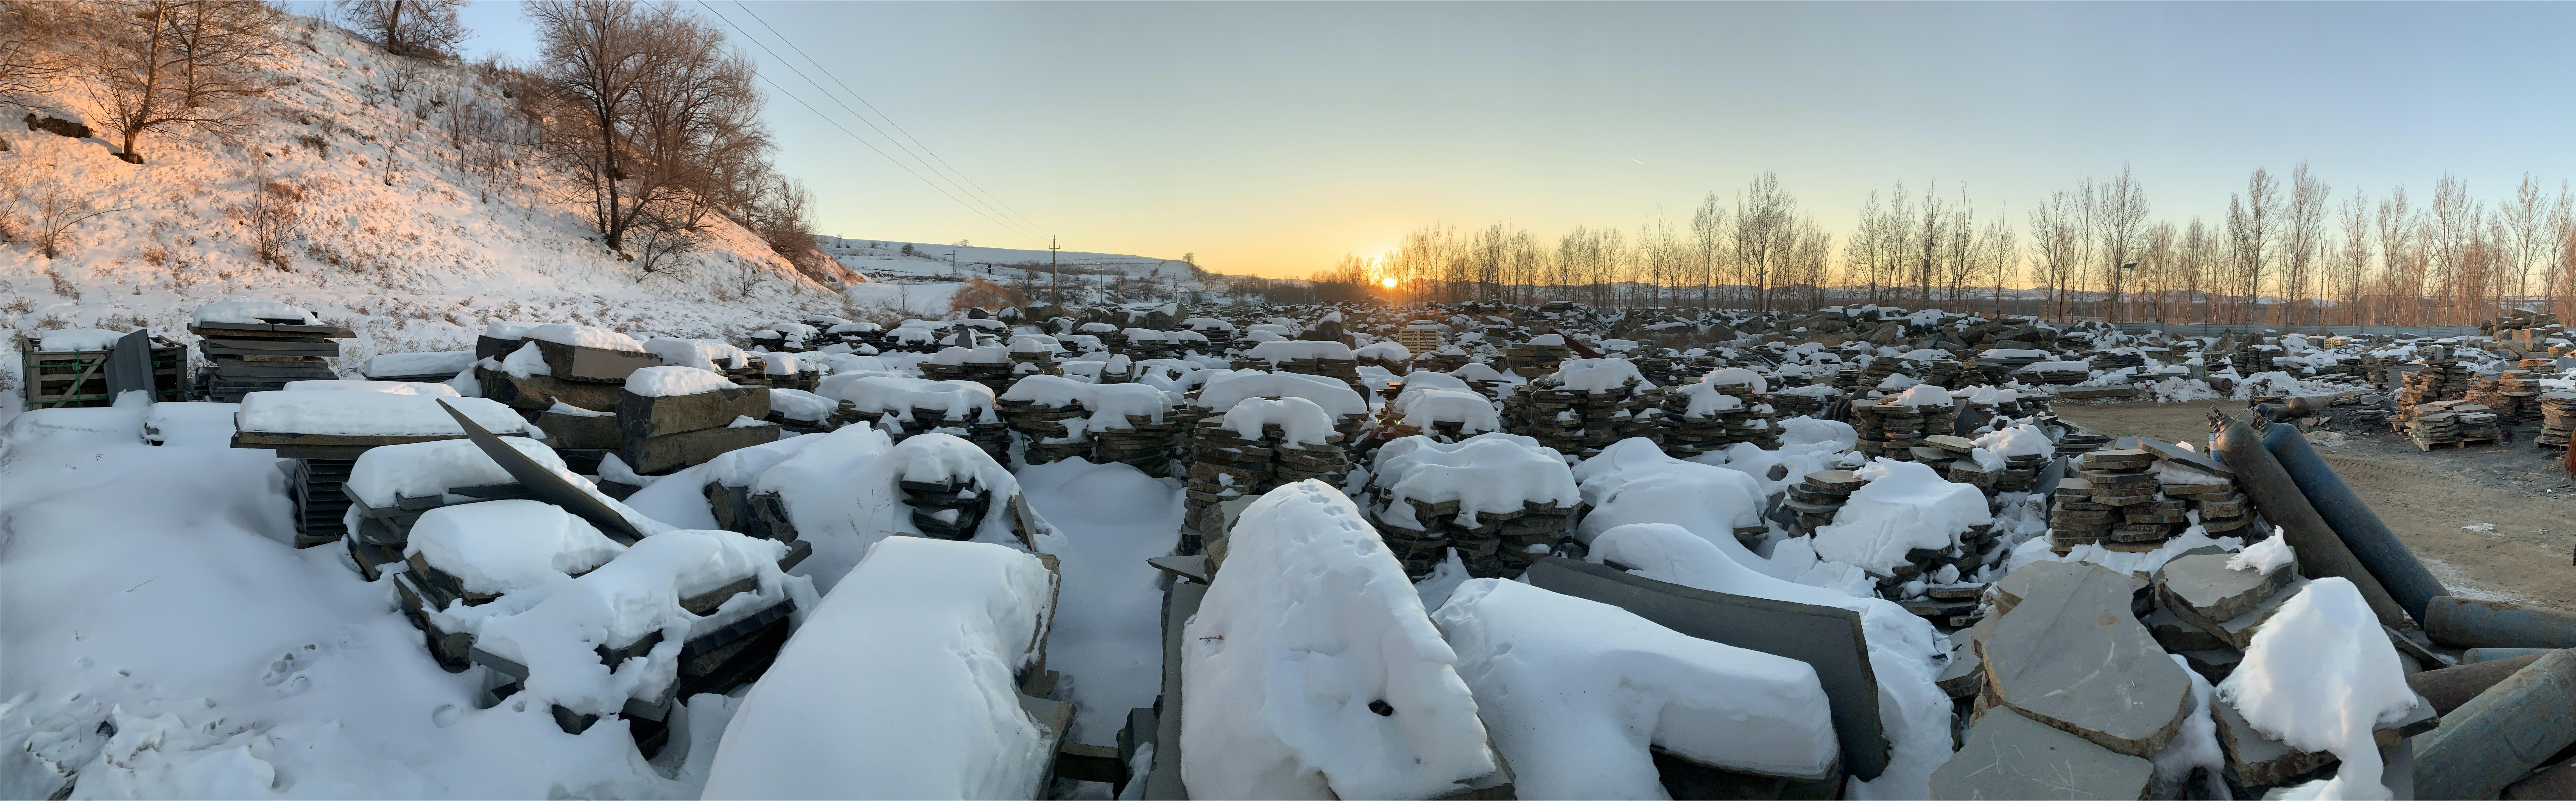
x=2211 y=330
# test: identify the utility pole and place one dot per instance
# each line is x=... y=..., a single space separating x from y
x=952 y=263
x=1056 y=273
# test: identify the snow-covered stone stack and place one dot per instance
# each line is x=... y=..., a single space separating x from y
x=391 y=487
x=260 y=345
x=2127 y=480
x=1815 y=499
x=1909 y=530
x=2000 y=364
x=460 y=556
x=552 y=363
x=1725 y=407
x=1584 y=406
x=669 y=418
x=1257 y=444
x=911 y=406
x=1540 y=354
x=1440 y=406
x=991 y=367
x=1500 y=501
x=1323 y=358
x=1033 y=356
x=325 y=426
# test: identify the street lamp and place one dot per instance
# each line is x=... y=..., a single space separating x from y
x=2131 y=298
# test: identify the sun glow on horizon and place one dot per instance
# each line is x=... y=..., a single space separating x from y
x=1388 y=282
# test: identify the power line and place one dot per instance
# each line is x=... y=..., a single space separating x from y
x=916 y=174
x=854 y=94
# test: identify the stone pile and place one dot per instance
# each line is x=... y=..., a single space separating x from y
x=1740 y=416
x=992 y=367
x=658 y=435
x=1579 y=423
x=948 y=509
x=2557 y=418
x=2441 y=379
x=1225 y=466
x=1815 y=499
x=1541 y=353
x=257 y=357
x=2512 y=394
x=1887 y=429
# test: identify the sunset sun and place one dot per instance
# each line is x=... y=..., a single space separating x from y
x=1388 y=282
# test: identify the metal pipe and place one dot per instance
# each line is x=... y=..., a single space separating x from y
x=2478 y=655
x=2320 y=552
x=2379 y=550
x=2462 y=623
x=2446 y=689
x=2502 y=734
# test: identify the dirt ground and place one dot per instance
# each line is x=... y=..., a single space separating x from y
x=2490 y=521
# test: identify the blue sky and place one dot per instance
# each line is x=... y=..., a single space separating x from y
x=1274 y=137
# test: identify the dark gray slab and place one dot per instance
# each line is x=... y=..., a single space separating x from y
x=593 y=365
x=663 y=454
x=2205 y=585
x=1828 y=639
x=2073 y=656
x=546 y=485
x=2008 y=756
x=641 y=417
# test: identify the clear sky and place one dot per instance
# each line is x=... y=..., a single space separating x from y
x=1271 y=138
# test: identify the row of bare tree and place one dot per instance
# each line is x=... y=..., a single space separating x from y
x=2286 y=253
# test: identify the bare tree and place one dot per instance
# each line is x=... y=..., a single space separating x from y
x=2303 y=239
x=164 y=63
x=55 y=210
x=2524 y=225
x=1764 y=231
x=1927 y=245
x=2192 y=262
x=2352 y=260
x=2057 y=236
x=275 y=216
x=2115 y=219
x=419 y=28
x=2253 y=224
x=2002 y=251
x=2397 y=226
x=28 y=65
x=1708 y=245
x=2452 y=230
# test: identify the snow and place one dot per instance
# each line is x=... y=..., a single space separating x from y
x=526 y=361
x=704 y=354
x=1914 y=713
x=371 y=414
x=1922 y=395
x=638 y=593
x=561 y=407
x=2265 y=556
x=251 y=312
x=1107 y=635
x=842 y=493
x=797 y=404
x=1109 y=404
x=583 y=336
x=1632 y=481
x=2319 y=676
x=430 y=469
x=1485 y=474
x=2020 y=440
x=670 y=381
x=1301 y=423
x=62 y=340
x=898 y=395
x=1389 y=350
x=2195 y=746
x=1905 y=505
x=1596 y=376
x=499 y=546
x=1277 y=351
x=387 y=387
x=443 y=362
x=1731 y=376
x=1313 y=623
x=1705 y=400
x=1422 y=407
x=206 y=424
x=1816 y=433
x=1576 y=690
x=1224 y=388
x=900 y=685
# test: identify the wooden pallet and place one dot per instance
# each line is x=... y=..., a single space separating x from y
x=78 y=378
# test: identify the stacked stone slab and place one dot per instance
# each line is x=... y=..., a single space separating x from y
x=2441 y=379
x=2557 y=418
x=1490 y=546
x=1145 y=443
x=1887 y=429
x=1225 y=466
x=1751 y=419
x=258 y=357
x=1540 y=354
x=1045 y=436
x=2253 y=359
x=949 y=509
x=2513 y=395
x=987 y=366
x=1953 y=458
x=2124 y=479
x=1816 y=499
x=1579 y=423
x=661 y=435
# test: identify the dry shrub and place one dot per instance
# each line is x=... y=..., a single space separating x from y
x=987 y=295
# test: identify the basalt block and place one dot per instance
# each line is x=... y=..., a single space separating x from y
x=641 y=417
x=2010 y=756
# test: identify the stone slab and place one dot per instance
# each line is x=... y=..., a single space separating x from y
x=593 y=365
x=640 y=417
x=2208 y=588
x=2239 y=631
x=579 y=430
x=663 y=454
x=2010 y=756
x=2074 y=656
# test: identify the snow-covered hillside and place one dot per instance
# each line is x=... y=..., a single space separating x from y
x=919 y=277
x=413 y=259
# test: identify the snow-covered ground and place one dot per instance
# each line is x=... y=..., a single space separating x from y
x=413 y=259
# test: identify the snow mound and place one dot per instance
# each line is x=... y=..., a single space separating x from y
x=63 y=340
x=1300 y=421
x=898 y=395
x=1225 y=388
x=1632 y=481
x=672 y=380
x=901 y=685
x=583 y=336
x=442 y=362
x=1289 y=651
x=1576 y=690
x=495 y=547
x=1904 y=506
x=252 y=312
x=704 y=354
x=1485 y=474
x=427 y=469
x=1596 y=376
x=371 y=414
x=1730 y=376
x=1281 y=350
x=797 y=404
x=1422 y=407
x=387 y=387
x=2319 y=676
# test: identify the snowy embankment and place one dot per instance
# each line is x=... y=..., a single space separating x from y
x=399 y=238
